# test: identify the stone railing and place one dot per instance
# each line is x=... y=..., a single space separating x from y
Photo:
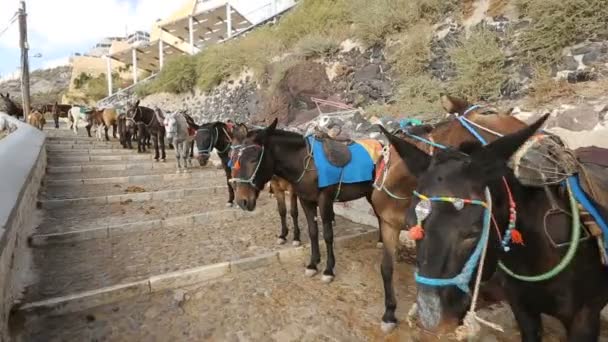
x=22 y=166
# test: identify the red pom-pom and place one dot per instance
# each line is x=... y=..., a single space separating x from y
x=417 y=233
x=516 y=237
x=237 y=165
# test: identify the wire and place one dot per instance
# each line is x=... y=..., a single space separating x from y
x=10 y=22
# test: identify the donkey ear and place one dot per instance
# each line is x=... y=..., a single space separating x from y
x=136 y=104
x=453 y=104
x=417 y=161
x=273 y=126
x=240 y=132
x=491 y=160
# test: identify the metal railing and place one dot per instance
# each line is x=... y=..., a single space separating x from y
x=120 y=92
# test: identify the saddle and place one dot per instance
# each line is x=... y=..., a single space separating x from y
x=594 y=173
x=336 y=150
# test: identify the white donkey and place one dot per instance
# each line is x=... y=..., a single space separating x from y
x=77 y=114
x=179 y=135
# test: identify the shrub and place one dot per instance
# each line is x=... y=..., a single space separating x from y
x=413 y=53
x=480 y=65
x=375 y=20
x=557 y=24
x=178 y=75
x=545 y=89
x=316 y=45
x=419 y=95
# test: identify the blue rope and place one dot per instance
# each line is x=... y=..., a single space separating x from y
x=470 y=109
x=425 y=140
x=582 y=198
x=463 y=279
x=472 y=130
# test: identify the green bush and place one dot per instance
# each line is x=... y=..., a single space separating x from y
x=480 y=65
x=419 y=95
x=375 y=20
x=413 y=53
x=557 y=24
x=317 y=45
x=179 y=74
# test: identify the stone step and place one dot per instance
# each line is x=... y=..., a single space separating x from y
x=134 y=197
x=57 y=192
x=136 y=254
x=131 y=172
x=141 y=158
x=109 y=166
x=91 y=149
x=168 y=176
x=64 y=159
x=75 y=218
x=259 y=300
x=87 y=152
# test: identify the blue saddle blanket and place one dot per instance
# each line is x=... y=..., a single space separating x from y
x=582 y=198
x=359 y=169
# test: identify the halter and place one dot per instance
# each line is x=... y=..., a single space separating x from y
x=463 y=279
x=214 y=138
x=251 y=179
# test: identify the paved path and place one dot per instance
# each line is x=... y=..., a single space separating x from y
x=130 y=251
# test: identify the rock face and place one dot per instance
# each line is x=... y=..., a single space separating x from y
x=45 y=85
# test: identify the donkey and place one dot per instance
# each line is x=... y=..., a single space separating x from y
x=77 y=114
x=395 y=182
x=150 y=122
x=269 y=152
x=9 y=106
x=210 y=136
x=36 y=119
x=59 y=110
x=178 y=133
x=448 y=235
x=104 y=118
x=126 y=130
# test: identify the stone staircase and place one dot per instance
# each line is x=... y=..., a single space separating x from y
x=128 y=250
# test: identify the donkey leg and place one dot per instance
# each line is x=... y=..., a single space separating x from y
x=369 y=200
x=528 y=320
x=156 y=153
x=391 y=238
x=585 y=326
x=106 y=128
x=114 y=131
x=310 y=210
x=88 y=127
x=280 y=197
x=161 y=138
x=177 y=156
x=326 y=207
x=293 y=208
x=230 y=202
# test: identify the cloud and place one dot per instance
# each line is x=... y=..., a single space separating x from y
x=61 y=27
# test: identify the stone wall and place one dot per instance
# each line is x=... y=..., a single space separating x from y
x=23 y=165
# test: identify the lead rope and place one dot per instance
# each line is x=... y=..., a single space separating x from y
x=471 y=323
x=386 y=159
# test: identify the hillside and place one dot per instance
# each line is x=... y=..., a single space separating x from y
x=46 y=86
x=394 y=58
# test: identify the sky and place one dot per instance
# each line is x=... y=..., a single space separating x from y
x=60 y=28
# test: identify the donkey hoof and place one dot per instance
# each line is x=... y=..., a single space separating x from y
x=296 y=243
x=327 y=278
x=379 y=245
x=387 y=327
x=163 y=160
x=310 y=272
x=281 y=241
x=229 y=205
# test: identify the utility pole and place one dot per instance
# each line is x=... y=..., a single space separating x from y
x=25 y=66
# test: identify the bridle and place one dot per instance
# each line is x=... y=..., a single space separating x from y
x=237 y=166
x=214 y=139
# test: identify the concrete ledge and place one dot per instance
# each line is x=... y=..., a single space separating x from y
x=135 y=197
x=22 y=164
x=111 y=167
x=39 y=240
x=89 y=299
x=188 y=277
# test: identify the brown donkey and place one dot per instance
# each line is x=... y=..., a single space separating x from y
x=395 y=183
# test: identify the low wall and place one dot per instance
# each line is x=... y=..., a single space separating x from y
x=22 y=166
